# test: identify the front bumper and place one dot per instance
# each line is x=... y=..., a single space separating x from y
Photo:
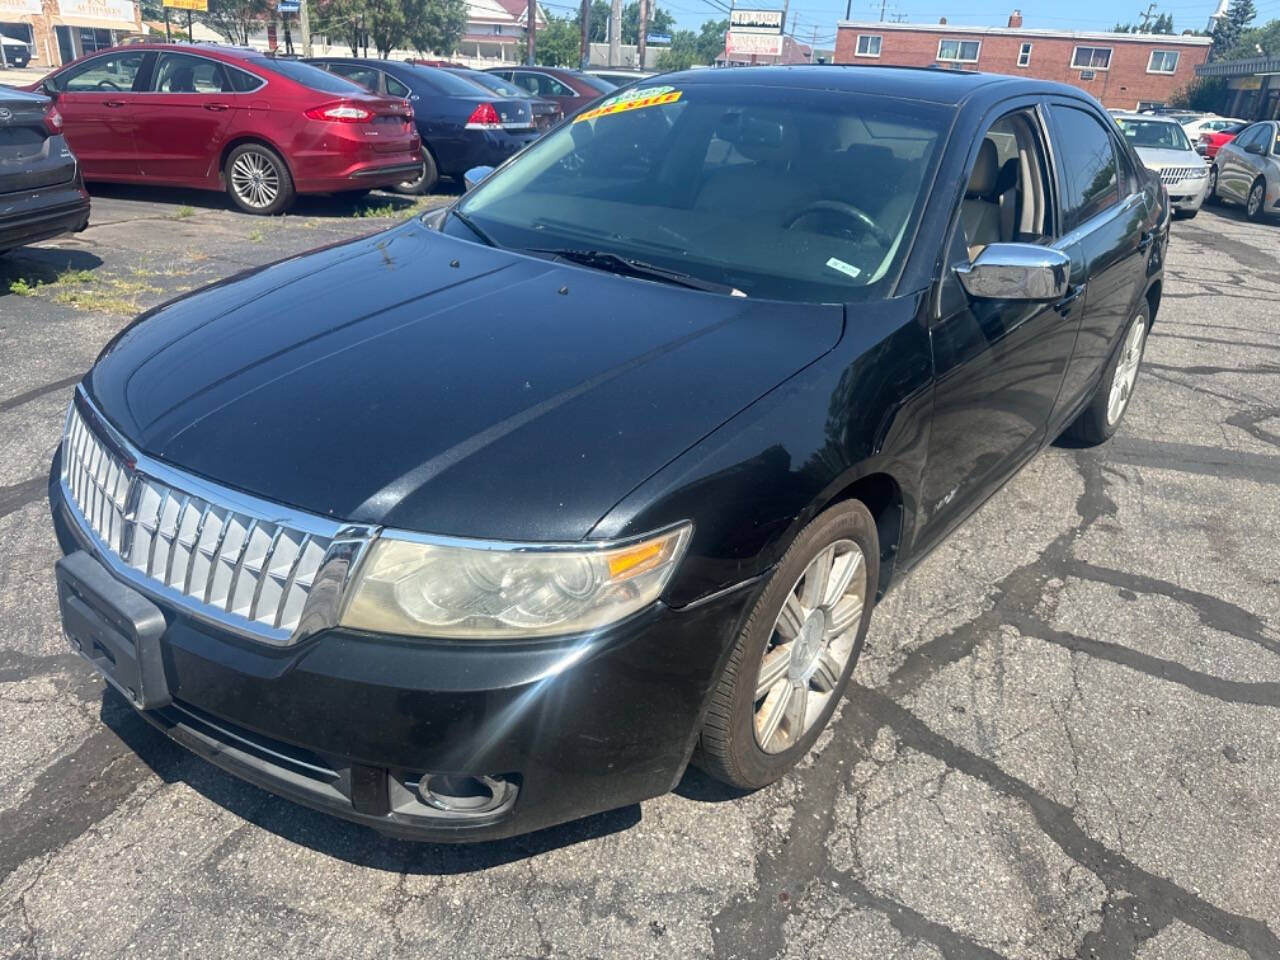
x=348 y=723
x=1187 y=196
x=35 y=215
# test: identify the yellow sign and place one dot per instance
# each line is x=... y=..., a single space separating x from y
x=631 y=101
x=1244 y=83
x=201 y=5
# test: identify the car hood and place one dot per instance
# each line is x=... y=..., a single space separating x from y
x=1156 y=158
x=420 y=381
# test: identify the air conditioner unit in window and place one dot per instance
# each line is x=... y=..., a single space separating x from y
x=1086 y=74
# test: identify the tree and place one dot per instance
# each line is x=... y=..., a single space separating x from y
x=660 y=22
x=1265 y=38
x=1202 y=94
x=1228 y=29
x=682 y=53
x=711 y=40
x=435 y=26
x=559 y=43
x=235 y=19
x=341 y=19
x=598 y=28
x=1161 y=24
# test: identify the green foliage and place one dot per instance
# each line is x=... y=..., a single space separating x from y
x=598 y=24
x=435 y=26
x=1162 y=24
x=1229 y=29
x=1265 y=37
x=659 y=21
x=559 y=43
x=683 y=52
x=235 y=19
x=1204 y=94
x=711 y=40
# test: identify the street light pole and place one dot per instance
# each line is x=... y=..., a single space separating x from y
x=585 y=53
x=304 y=25
x=643 y=35
x=615 y=33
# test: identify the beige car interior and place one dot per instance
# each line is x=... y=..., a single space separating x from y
x=1006 y=198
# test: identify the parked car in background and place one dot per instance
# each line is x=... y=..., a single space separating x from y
x=619 y=77
x=42 y=193
x=1212 y=140
x=1164 y=148
x=570 y=90
x=1247 y=170
x=546 y=114
x=461 y=125
x=17 y=53
x=494 y=519
x=1207 y=124
x=263 y=129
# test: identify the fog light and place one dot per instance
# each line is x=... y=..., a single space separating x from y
x=462 y=794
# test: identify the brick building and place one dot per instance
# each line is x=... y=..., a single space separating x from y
x=1124 y=70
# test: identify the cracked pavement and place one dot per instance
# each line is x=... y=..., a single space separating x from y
x=1062 y=740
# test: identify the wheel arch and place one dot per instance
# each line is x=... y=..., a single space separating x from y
x=239 y=141
x=882 y=494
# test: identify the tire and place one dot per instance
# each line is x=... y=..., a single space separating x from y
x=426 y=182
x=730 y=746
x=258 y=180
x=1255 y=204
x=1100 y=419
x=1212 y=195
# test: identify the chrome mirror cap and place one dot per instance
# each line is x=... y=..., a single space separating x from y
x=1016 y=271
x=475 y=175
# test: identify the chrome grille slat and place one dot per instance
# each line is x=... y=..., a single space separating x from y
x=1178 y=174
x=221 y=555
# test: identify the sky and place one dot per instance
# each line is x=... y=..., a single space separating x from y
x=807 y=16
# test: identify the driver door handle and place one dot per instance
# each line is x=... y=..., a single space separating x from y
x=1063 y=306
x=113 y=103
x=217 y=106
x=1145 y=240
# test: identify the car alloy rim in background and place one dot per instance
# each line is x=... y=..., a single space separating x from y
x=810 y=646
x=1126 y=370
x=1255 y=199
x=1213 y=180
x=255 y=179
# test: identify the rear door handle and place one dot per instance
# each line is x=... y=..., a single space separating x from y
x=113 y=103
x=216 y=106
x=1146 y=240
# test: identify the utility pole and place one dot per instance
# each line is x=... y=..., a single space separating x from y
x=615 y=33
x=882 y=4
x=1146 y=18
x=848 y=9
x=304 y=27
x=643 y=36
x=530 y=32
x=585 y=17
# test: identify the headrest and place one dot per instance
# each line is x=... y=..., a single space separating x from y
x=1008 y=177
x=985 y=170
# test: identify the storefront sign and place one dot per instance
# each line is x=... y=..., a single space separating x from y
x=756 y=21
x=1245 y=83
x=121 y=10
x=753 y=44
x=18 y=7
x=201 y=5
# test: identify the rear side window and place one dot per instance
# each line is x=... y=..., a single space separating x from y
x=1088 y=159
x=180 y=73
x=367 y=77
x=309 y=76
x=396 y=88
x=114 y=73
x=240 y=81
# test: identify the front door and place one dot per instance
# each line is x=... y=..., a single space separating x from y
x=998 y=364
x=98 y=101
x=180 y=123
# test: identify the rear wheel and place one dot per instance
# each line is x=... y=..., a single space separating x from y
x=793 y=657
x=1100 y=419
x=258 y=180
x=1254 y=203
x=1212 y=195
x=426 y=181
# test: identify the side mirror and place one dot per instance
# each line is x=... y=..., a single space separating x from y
x=1254 y=148
x=474 y=176
x=1016 y=271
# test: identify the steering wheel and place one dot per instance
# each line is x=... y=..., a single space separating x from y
x=862 y=218
x=107 y=85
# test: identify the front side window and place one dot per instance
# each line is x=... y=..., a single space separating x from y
x=808 y=197
x=181 y=73
x=1091 y=58
x=1156 y=134
x=959 y=51
x=1088 y=161
x=113 y=73
x=1024 y=55
x=868 y=45
x=1163 y=61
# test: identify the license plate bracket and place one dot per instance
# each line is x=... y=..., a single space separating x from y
x=115 y=628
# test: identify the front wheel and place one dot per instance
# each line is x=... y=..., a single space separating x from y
x=795 y=653
x=1212 y=195
x=1254 y=205
x=258 y=180
x=1100 y=419
x=426 y=181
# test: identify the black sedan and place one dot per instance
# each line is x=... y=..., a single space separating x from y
x=502 y=516
x=461 y=126
x=41 y=191
x=545 y=113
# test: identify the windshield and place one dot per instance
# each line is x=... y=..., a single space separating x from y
x=309 y=76
x=1154 y=133
x=781 y=193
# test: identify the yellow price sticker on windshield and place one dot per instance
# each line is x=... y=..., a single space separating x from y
x=631 y=101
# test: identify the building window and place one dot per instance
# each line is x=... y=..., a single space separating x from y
x=868 y=45
x=959 y=51
x=1091 y=58
x=1163 y=61
x=1024 y=55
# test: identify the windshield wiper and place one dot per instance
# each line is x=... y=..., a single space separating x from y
x=471 y=225
x=615 y=263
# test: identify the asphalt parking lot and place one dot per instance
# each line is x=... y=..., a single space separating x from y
x=1063 y=739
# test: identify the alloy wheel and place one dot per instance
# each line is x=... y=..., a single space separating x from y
x=1255 y=199
x=255 y=179
x=812 y=640
x=1126 y=370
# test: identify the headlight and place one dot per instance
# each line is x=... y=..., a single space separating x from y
x=461 y=588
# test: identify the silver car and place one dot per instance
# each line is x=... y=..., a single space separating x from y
x=1247 y=170
x=1164 y=148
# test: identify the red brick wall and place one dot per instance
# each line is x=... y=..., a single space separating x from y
x=1123 y=85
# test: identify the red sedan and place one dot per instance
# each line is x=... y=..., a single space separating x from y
x=263 y=129
x=1211 y=140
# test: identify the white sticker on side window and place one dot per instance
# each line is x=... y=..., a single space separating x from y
x=848 y=269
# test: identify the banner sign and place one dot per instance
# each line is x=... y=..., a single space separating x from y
x=752 y=44
x=756 y=21
x=200 y=5
x=121 y=10
x=18 y=7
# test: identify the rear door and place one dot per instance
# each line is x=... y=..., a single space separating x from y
x=548 y=88
x=1105 y=210
x=1237 y=167
x=28 y=160
x=98 y=100
x=182 y=120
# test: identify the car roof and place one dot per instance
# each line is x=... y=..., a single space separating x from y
x=910 y=83
x=1149 y=117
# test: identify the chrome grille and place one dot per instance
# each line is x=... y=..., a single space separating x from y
x=1176 y=174
x=220 y=554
